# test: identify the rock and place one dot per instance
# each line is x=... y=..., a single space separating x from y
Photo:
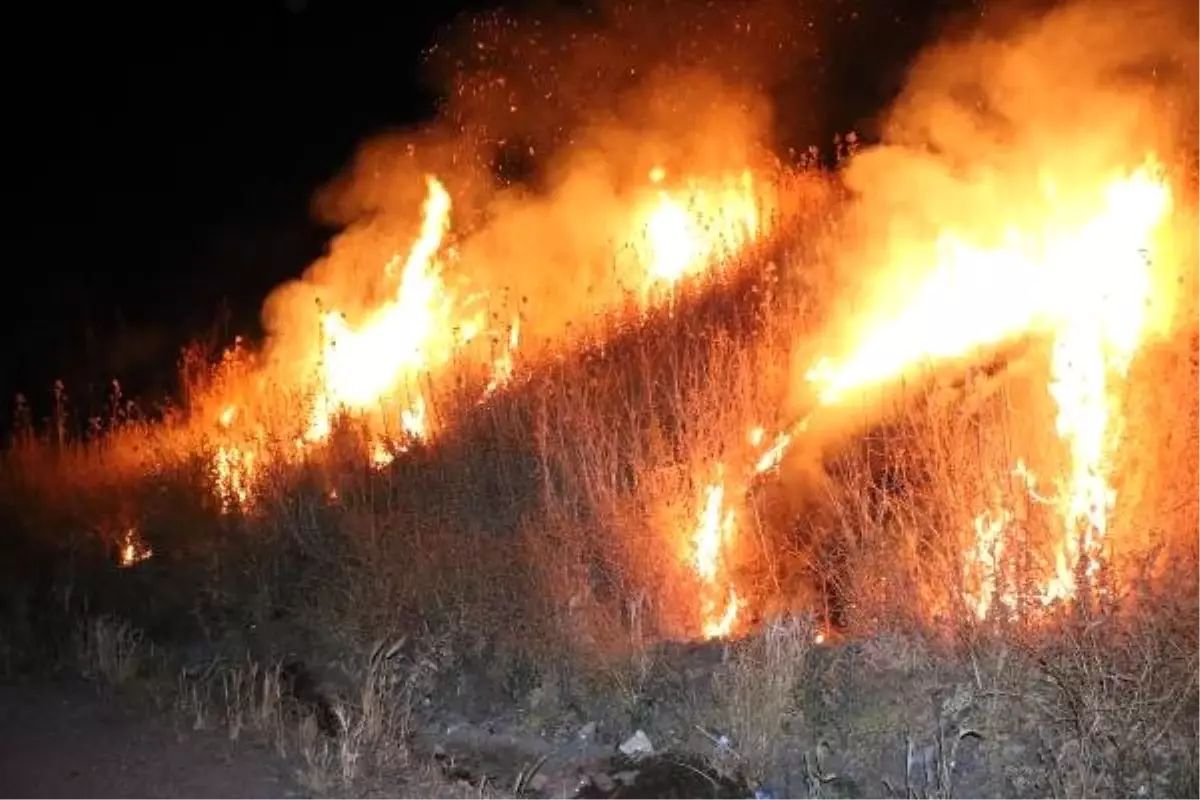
x=588 y=732
x=673 y=775
x=603 y=782
x=637 y=746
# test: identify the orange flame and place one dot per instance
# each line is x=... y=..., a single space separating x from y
x=1102 y=323
x=133 y=550
x=1065 y=277
x=695 y=227
x=414 y=331
x=714 y=533
x=715 y=536
x=502 y=368
x=380 y=365
x=1085 y=280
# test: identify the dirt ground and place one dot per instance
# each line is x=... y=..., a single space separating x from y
x=68 y=740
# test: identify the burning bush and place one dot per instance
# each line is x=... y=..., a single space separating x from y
x=674 y=391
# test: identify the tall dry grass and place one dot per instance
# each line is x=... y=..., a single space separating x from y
x=546 y=530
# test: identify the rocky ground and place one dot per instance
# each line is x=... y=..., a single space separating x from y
x=774 y=715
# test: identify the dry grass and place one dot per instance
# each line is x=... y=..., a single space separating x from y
x=371 y=725
x=537 y=542
x=762 y=687
x=109 y=650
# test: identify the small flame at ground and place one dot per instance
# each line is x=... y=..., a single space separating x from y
x=133 y=550
x=715 y=537
x=502 y=368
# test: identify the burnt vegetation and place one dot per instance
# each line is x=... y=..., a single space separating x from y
x=509 y=605
x=509 y=574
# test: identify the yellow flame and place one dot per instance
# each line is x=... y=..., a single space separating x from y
x=133 y=550
x=714 y=533
x=412 y=332
x=235 y=470
x=690 y=229
x=1099 y=334
x=1064 y=276
x=1090 y=288
x=378 y=368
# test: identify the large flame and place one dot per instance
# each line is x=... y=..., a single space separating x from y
x=1070 y=274
x=695 y=226
x=379 y=368
x=415 y=331
x=1083 y=278
x=1101 y=324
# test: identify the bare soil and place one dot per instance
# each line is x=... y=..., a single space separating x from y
x=69 y=740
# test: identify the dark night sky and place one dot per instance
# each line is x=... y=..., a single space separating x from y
x=165 y=160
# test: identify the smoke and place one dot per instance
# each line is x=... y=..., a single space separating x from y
x=548 y=124
x=1087 y=86
x=1007 y=124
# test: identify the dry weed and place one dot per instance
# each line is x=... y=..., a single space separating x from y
x=758 y=691
x=110 y=649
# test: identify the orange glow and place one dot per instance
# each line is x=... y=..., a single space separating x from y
x=416 y=330
x=502 y=368
x=691 y=228
x=592 y=330
x=385 y=359
x=714 y=534
x=379 y=367
x=715 y=537
x=1083 y=278
x=234 y=481
x=133 y=550
x=1084 y=271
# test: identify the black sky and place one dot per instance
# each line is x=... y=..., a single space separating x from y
x=162 y=161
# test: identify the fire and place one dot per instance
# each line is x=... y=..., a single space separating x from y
x=1097 y=337
x=502 y=368
x=363 y=367
x=234 y=480
x=714 y=533
x=1084 y=279
x=715 y=538
x=984 y=579
x=378 y=369
x=1096 y=343
x=133 y=550
x=1069 y=275
x=418 y=329
x=688 y=230
x=1079 y=276
x=234 y=466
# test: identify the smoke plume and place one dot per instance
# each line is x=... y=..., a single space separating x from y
x=548 y=123
x=1002 y=126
